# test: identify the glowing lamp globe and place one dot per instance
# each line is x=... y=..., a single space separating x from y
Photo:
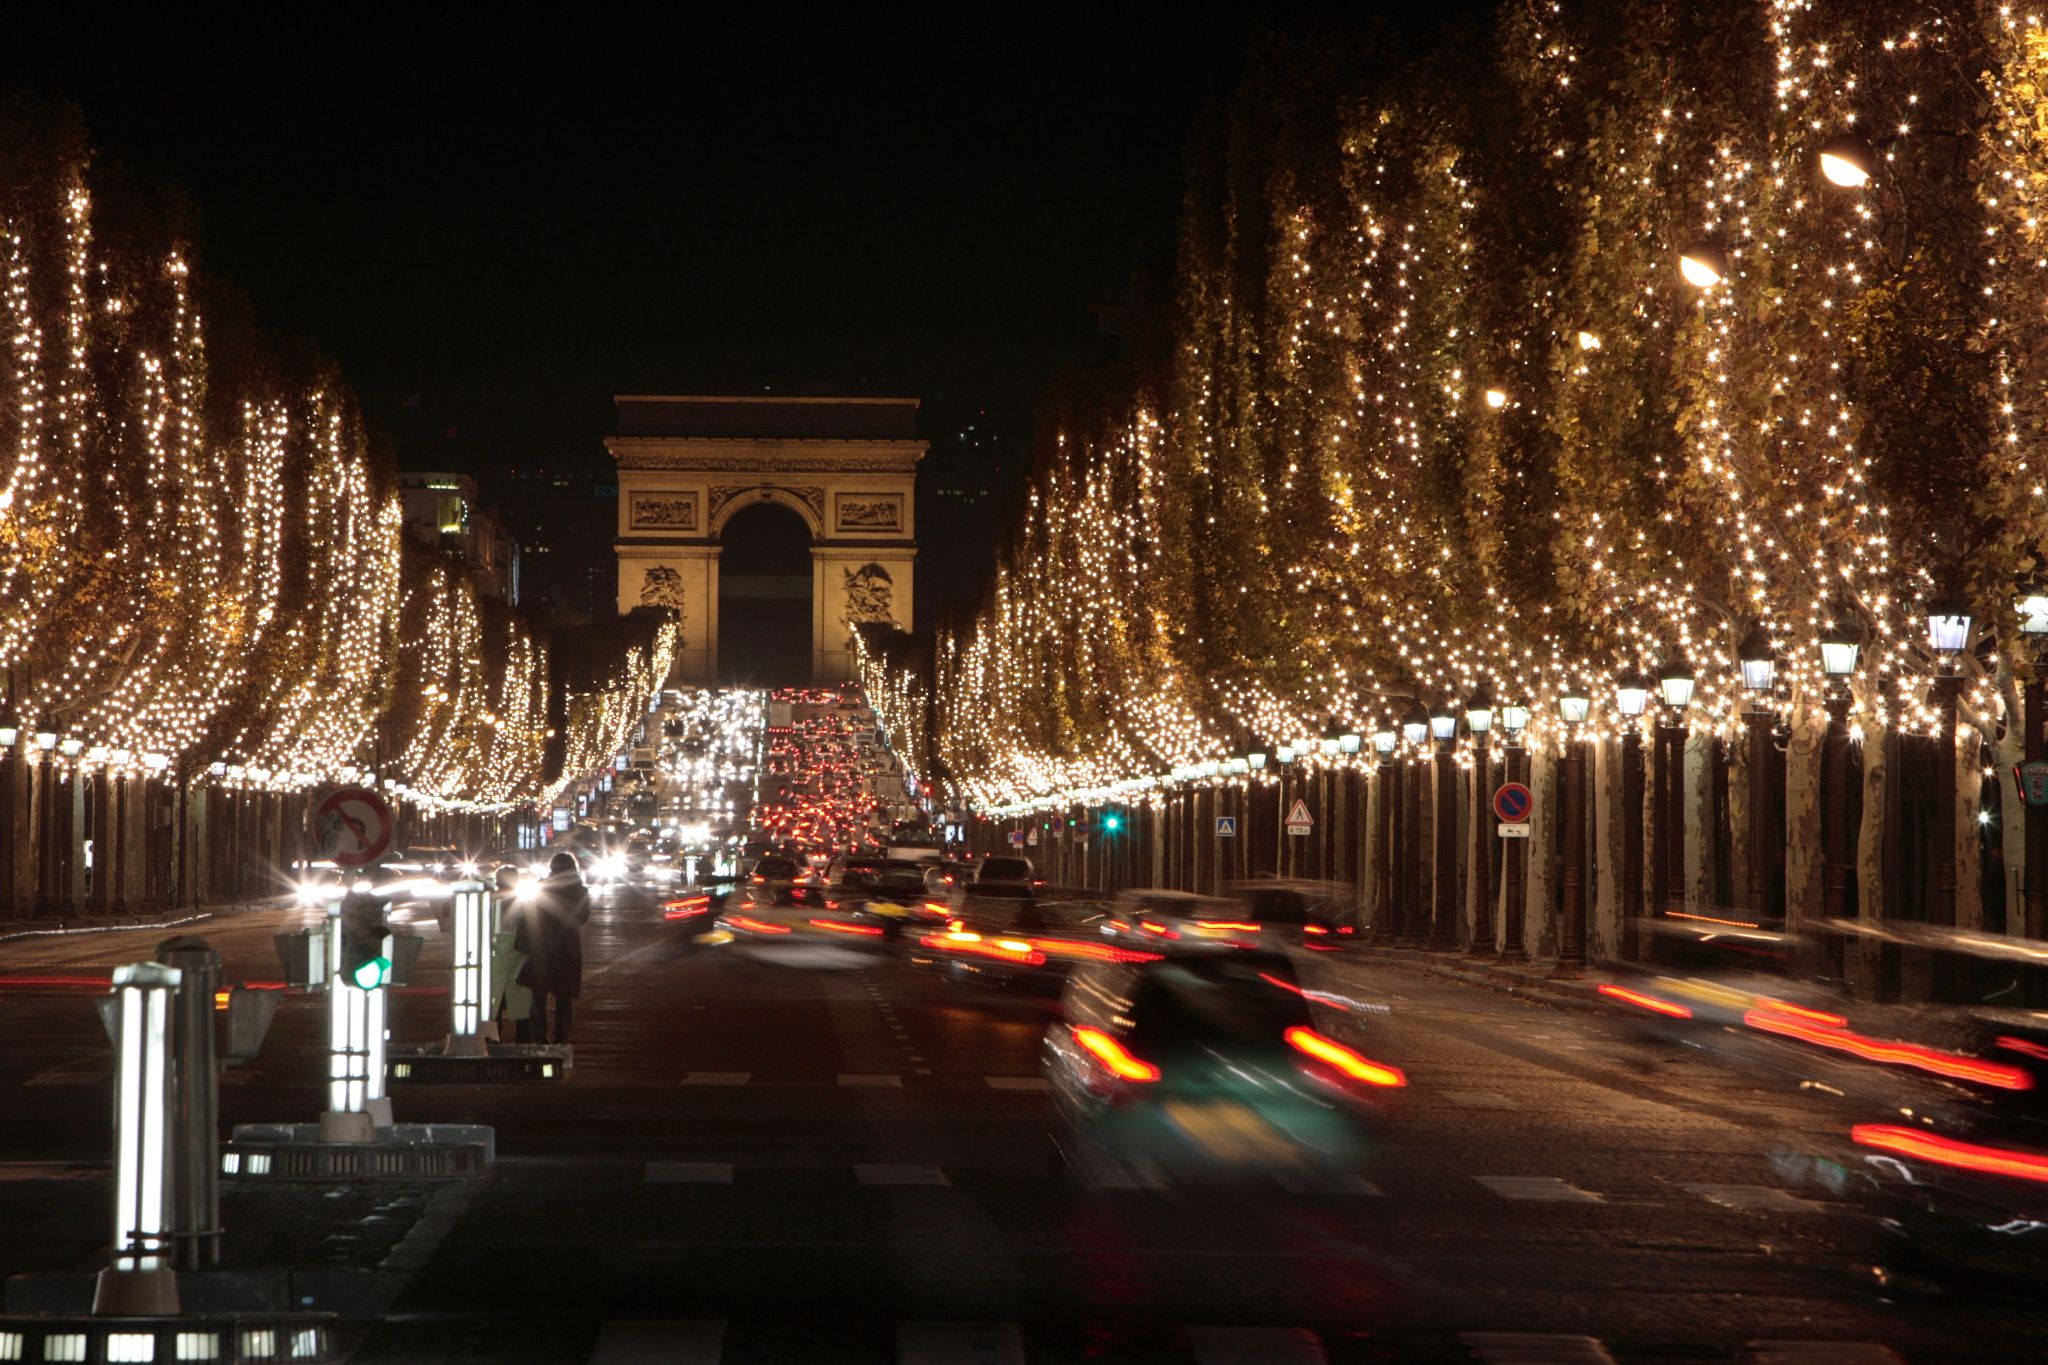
x=1846 y=161
x=1573 y=707
x=1759 y=663
x=1948 y=625
x=2031 y=607
x=1703 y=264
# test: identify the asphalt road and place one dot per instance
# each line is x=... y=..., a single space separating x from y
x=833 y=1160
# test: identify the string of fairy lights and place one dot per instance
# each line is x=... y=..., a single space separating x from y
x=203 y=575
x=1623 y=374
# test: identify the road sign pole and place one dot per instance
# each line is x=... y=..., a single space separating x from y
x=1482 y=849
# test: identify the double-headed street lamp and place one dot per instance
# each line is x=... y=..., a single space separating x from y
x=1631 y=697
x=1443 y=728
x=1479 y=720
x=1759 y=662
x=1573 y=708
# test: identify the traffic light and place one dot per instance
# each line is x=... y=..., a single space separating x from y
x=1112 y=821
x=363 y=964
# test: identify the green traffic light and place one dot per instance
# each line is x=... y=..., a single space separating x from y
x=370 y=974
x=1112 y=822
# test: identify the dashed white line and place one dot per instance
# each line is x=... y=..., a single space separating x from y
x=1539 y=1189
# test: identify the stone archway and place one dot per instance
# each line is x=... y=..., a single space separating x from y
x=845 y=464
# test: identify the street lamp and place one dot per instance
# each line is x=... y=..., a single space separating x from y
x=1479 y=720
x=1443 y=726
x=1631 y=696
x=1948 y=626
x=1703 y=264
x=1759 y=664
x=1514 y=719
x=1573 y=706
x=1387 y=908
x=1759 y=678
x=1416 y=920
x=1841 y=647
x=2032 y=609
x=1846 y=161
x=1948 y=634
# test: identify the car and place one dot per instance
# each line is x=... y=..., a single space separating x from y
x=1317 y=915
x=1150 y=916
x=1204 y=1065
x=1022 y=946
x=773 y=879
x=1000 y=867
x=696 y=907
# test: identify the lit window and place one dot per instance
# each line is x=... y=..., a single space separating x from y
x=198 y=1346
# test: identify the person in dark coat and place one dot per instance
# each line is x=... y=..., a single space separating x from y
x=561 y=908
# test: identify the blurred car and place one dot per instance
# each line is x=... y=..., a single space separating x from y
x=1206 y=1065
x=1023 y=946
x=1154 y=916
x=696 y=907
x=774 y=927
x=1316 y=914
x=773 y=878
x=942 y=876
x=1002 y=869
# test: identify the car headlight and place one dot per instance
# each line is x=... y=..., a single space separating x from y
x=612 y=868
x=468 y=869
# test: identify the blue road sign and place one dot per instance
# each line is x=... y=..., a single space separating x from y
x=1226 y=826
x=1512 y=803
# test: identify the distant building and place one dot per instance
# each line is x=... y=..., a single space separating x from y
x=563 y=523
x=442 y=513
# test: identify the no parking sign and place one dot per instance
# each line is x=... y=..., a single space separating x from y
x=1512 y=803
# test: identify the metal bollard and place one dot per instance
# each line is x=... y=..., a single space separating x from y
x=471 y=987
x=195 y=1104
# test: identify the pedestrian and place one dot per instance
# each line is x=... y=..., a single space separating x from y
x=561 y=907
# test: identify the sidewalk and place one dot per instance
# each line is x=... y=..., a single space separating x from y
x=52 y=925
x=1530 y=981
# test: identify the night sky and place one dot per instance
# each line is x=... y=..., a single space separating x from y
x=502 y=225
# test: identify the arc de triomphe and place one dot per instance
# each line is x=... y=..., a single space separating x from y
x=846 y=465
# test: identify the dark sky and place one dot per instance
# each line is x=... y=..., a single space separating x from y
x=511 y=220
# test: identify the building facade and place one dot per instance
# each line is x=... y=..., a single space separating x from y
x=846 y=466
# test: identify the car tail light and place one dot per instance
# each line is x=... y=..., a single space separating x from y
x=1245 y=926
x=1115 y=1058
x=1330 y=1052
x=1670 y=1008
x=686 y=908
x=1313 y=929
x=841 y=927
x=1154 y=927
x=1953 y=1065
x=937 y=909
x=757 y=879
x=757 y=925
x=1345 y=929
x=1093 y=952
x=1941 y=1151
x=2021 y=1045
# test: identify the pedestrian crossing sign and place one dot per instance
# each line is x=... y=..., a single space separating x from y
x=1226 y=826
x=1299 y=821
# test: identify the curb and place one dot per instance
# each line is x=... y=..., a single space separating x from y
x=1529 y=986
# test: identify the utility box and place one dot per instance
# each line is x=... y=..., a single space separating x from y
x=250 y=1013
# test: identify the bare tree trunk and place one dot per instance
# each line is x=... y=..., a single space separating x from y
x=1863 y=961
x=1540 y=915
x=1604 y=927
x=2009 y=751
x=1700 y=825
x=1736 y=893
x=1804 y=851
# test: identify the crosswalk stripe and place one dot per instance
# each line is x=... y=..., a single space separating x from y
x=1822 y=1353
x=1756 y=1198
x=855 y=1079
x=1535 y=1348
x=689 y=1173
x=1539 y=1189
x=659 y=1343
x=890 y=1174
x=1017 y=1082
x=1255 y=1346
x=717 y=1077
x=959 y=1343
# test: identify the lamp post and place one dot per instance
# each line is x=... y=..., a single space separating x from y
x=1283 y=860
x=1675 y=683
x=1948 y=634
x=1514 y=718
x=1573 y=707
x=1347 y=857
x=1840 y=649
x=1443 y=728
x=2033 y=613
x=48 y=901
x=1631 y=696
x=1760 y=678
x=10 y=738
x=1255 y=756
x=1415 y=921
x=1479 y=720
x=1386 y=921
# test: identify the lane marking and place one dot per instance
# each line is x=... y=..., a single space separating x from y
x=1535 y=1348
x=689 y=1173
x=885 y=1174
x=1255 y=1345
x=717 y=1077
x=1537 y=1189
x=1017 y=1082
x=959 y=1343
x=1476 y=1099
x=869 y=1080
x=659 y=1343
x=1755 y=1198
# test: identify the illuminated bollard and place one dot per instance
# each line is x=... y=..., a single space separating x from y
x=471 y=988
x=140 y=1281
x=195 y=1104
